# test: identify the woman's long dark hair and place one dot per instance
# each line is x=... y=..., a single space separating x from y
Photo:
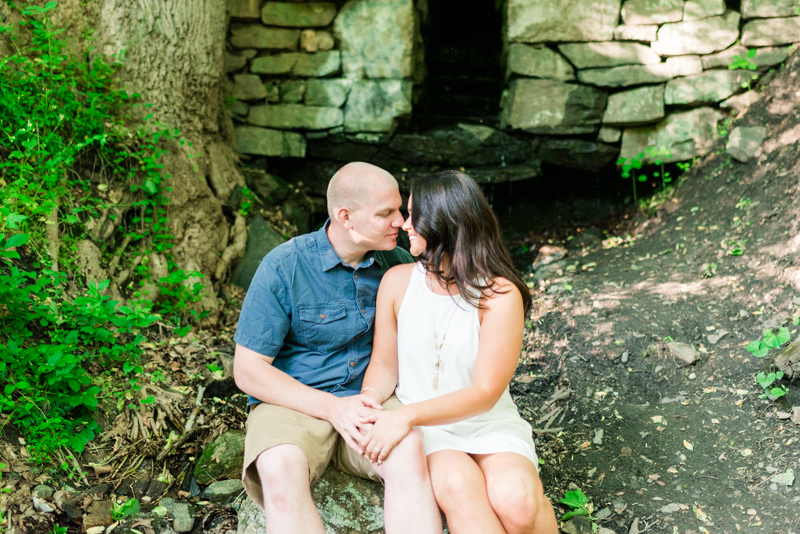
x=464 y=244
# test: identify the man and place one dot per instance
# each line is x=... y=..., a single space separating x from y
x=302 y=346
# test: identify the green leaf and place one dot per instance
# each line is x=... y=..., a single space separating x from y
x=751 y=53
x=771 y=339
x=783 y=336
x=575 y=499
x=180 y=332
x=13 y=219
x=150 y=399
x=16 y=240
x=777 y=392
x=573 y=513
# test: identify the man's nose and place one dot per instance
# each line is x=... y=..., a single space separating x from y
x=398 y=222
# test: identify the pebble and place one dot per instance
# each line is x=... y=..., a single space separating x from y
x=181 y=513
x=43 y=492
x=223 y=491
x=624 y=357
x=603 y=513
x=692 y=376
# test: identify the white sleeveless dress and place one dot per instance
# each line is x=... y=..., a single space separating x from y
x=501 y=429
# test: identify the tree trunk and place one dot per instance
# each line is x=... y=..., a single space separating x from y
x=171 y=53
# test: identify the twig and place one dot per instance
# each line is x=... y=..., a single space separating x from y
x=198 y=403
x=77 y=467
x=543 y=430
x=179 y=442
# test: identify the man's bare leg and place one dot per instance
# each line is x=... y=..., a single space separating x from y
x=409 y=505
x=288 y=506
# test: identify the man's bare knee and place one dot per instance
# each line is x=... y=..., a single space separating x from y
x=282 y=466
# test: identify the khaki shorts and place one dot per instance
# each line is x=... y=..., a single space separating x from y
x=269 y=425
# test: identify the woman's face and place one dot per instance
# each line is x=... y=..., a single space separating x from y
x=418 y=243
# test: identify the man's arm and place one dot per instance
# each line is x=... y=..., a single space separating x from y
x=255 y=375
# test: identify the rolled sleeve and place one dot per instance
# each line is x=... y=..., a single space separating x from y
x=266 y=311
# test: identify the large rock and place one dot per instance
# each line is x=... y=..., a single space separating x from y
x=752 y=9
x=222 y=459
x=685 y=65
x=686 y=135
x=635 y=107
x=652 y=11
x=347 y=504
x=705 y=88
x=697 y=37
x=268 y=142
x=261 y=239
x=636 y=33
x=539 y=62
x=626 y=75
x=331 y=92
x=275 y=63
x=577 y=154
x=608 y=54
x=607 y=134
x=540 y=21
x=374 y=105
x=258 y=36
x=232 y=63
x=296 y=116
x=724 y=58
x=548 y=107
x=770 y=32
x=739 y=103
x=296 y=15
x=745 y=142
x=318 y=65
x=248 y=87
x=376 y=38
x=702 y=9
x=244 y=9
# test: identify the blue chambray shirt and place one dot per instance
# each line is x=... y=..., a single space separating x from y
x=314 y=313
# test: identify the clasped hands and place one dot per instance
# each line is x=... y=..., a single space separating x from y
x=369 y=430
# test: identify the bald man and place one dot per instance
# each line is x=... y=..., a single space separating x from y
x=303 y=343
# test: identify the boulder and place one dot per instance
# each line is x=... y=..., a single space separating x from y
x=261 y=239
x=232 y=63
x=636 y=33
x=752 y=9
x=635 y=106
x=538 y=62
x=550 y=107
x=292 y=91
x=577 y=154
x=248 y=87
x=683 y=352
x=222 y=459
x=316 y=41
x=771 y=56
x=244 y=9
x=262 y=37
x=724 y=58
x=346 y=504
x=686 y=134
x=697 y=37
x=704 y=88
x=222 y=491
x=318 y=65
x=739 y=103
x=744 y=142
x=540 y=21
x=374 y=105
x=295 y=116
x=652 y=11
x=607 y=134
x=608 y=54
x=702 y=9
x=331 y=92
x=275 y=63
x=376 y=38
x=297 y=15
x=268 y=142
x=685 y=65
x=477 y=145
x=770 y=32
x=626 y=75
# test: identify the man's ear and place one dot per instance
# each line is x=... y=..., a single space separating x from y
x=343 y=218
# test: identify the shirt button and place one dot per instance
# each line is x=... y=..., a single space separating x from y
x=352 y=364
x=323 y=315
x=362 y=310
x=356 y=277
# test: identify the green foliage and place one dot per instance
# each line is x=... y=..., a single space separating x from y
x=629 y=168
x=579 y=504
x=68 y=140
x=745 y=63
x=760 y=348
x=128 y=508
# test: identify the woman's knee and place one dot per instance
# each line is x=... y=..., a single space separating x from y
x=456 y=488
x=516 y=500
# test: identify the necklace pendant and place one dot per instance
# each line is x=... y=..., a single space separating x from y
x=436 y=380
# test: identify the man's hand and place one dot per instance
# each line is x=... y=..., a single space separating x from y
x=346 y=414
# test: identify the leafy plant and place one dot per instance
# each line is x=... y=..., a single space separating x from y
x=658 y=155
x=760 y=348
x=579 y=504
x=629 y=168
x=128 y=508
x=745 y=63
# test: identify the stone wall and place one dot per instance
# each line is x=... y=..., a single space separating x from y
x=636 y=73
x=304 y=70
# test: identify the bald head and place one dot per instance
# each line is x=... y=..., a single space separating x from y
x=355 y=185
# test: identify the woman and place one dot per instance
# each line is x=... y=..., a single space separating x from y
x=450 y=329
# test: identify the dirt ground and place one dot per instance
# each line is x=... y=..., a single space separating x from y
x=680 y=449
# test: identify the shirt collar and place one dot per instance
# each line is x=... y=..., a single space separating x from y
x=328 y=257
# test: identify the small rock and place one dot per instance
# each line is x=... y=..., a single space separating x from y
x=785 y=479
x=783 y=415
x=744 y=142
x=683 y=352
x=548 y=254
x=604 y=530
x=634 y=526
x=603 y=513
x=624 y=357
x=796 y=415
x=771 y=469
x=598 y=437
x=95 y=530
x=223 y=491
x=714 y=338
x=42 y=491
x=181 y=513
x=578 y=525
x=99 y=514
x=42 y=505
x=619 y=506
x=670 y=508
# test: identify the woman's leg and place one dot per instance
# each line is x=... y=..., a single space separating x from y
x=516 y=494
x=460 y=491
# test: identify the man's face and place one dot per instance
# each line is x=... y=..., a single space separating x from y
x=375 y=224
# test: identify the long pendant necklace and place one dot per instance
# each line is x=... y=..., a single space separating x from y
x=437 y=345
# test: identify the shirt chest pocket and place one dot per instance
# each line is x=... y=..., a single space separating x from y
x=323 y=326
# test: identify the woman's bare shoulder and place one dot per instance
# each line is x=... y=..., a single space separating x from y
x=398 y=276
x=503 y=292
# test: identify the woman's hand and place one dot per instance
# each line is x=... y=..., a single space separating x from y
x=389 y=429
